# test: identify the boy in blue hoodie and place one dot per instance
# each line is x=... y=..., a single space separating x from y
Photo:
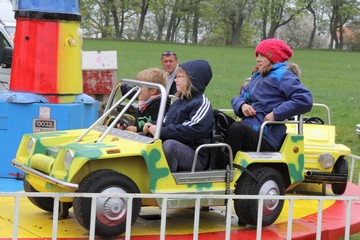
x=189 y=120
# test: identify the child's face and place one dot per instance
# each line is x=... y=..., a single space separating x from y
x=262 y=62
x=181 y=81
x=146 y=93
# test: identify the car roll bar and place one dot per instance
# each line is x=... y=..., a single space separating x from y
x=299 y=123
x=134 y=92
x=212 y=145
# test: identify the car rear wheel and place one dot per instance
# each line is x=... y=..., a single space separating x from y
x=111 y=212
x=341 y=167
x=269 y=183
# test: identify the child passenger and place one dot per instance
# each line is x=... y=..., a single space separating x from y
x=274 y=92
x=189 y=121
x=149 y=99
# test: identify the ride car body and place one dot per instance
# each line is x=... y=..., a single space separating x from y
x=109 y=160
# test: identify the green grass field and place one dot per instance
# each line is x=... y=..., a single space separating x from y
x=332 y=76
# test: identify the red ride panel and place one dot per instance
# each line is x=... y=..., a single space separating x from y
x=34 y=67
x=98 y=81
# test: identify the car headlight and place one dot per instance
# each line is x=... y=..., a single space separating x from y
x=69 y=156
x=326 y=160
x=30 y=145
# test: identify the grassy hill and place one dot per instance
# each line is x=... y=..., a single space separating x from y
x=332 y=76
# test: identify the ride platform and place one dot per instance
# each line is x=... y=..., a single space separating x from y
x=34 y=223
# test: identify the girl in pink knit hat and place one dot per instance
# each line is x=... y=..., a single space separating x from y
x=273 y=93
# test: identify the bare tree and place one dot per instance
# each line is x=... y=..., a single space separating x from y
x=233 y=14
x=187 y=19
x=264 y=10
x=175 y=18
x=276 y=13
x=310 y=8
x=99 y=23
x=144 y=6
x=159 y=8
x=196 y=20
x=189 y=13
x=114 y=13
x=342 y=11
x=221 y=21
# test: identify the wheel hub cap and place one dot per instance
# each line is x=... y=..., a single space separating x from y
x=109 y=210
x=272 y=189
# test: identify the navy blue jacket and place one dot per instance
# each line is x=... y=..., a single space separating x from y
x=280 y=92
x=190 y=121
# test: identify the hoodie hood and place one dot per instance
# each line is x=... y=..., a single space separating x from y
x=200 y=73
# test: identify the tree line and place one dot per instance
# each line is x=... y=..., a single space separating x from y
x=333 y=24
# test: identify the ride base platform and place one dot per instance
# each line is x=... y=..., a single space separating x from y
x=34 y=223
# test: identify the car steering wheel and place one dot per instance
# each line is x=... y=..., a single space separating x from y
x=314 y=120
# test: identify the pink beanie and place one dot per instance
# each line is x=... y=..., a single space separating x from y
x=274 y=49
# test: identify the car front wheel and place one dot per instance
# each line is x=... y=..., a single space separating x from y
x=111 y=212
x=341 y=167
x=269 y=182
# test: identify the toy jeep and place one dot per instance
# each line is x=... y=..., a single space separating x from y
x=104 y=159
x=325 y=161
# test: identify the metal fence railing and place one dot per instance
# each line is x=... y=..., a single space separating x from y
x=349 y=200
x=197 y=198
x=354 y=158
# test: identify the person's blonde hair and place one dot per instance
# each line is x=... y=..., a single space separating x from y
x=189 y=87
x=153 y=75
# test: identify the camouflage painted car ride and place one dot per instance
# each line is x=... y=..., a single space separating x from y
x=325 y=161
x=104 y=159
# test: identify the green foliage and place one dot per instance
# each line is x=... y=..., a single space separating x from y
x=217 y=22
x=332 y=76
